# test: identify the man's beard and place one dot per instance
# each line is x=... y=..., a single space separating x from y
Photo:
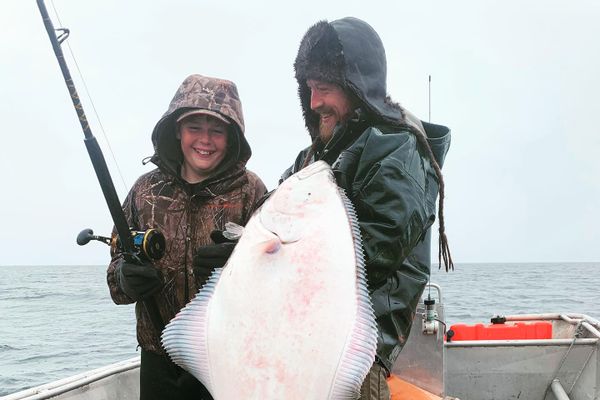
x=325 y=131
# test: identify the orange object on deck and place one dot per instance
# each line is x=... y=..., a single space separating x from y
x=505 y=331
x=402 y=390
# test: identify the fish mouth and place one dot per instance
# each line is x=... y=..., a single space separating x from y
x=285 y=237
x=312 y=169
x=285 y=240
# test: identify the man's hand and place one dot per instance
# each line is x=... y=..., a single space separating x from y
x=138 y=281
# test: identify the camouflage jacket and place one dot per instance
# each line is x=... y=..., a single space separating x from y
x=187 y=213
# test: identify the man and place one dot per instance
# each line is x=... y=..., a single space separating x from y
x=387 y=161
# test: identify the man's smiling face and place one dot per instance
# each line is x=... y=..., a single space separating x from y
x=332 y=104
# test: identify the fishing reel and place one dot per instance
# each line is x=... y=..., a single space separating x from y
x=149 y=244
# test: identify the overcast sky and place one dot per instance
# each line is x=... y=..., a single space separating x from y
x=516 y=81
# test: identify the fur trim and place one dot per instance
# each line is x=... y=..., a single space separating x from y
x=347 y=52
x=320 y=55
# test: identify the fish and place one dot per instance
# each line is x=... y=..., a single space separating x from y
x=289 y=316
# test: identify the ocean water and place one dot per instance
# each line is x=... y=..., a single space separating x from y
x=57 y=321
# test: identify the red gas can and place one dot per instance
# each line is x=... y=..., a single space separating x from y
x=503 y=331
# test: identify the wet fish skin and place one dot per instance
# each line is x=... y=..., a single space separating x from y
x=289 y=316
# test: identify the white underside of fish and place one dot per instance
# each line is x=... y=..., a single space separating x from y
x=289 y=316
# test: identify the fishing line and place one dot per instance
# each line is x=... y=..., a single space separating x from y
x=87 y=92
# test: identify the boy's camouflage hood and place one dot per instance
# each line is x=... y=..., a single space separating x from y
x=201 y=92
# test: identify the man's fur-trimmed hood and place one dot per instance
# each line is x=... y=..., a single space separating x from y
x=348 y=52
x=201 y=92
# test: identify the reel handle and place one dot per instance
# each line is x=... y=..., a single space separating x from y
x=86 y=235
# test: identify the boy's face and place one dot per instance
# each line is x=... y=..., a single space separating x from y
x=204 y=145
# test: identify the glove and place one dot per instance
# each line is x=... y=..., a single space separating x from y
x=138 y=281
x=213 y=256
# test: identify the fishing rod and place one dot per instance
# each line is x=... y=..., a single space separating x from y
x=135 y=245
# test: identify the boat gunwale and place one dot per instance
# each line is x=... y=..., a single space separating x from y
x=61 y=386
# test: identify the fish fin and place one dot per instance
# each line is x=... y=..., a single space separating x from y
x=233 y=231
x=361 y=347
x=185 y=338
